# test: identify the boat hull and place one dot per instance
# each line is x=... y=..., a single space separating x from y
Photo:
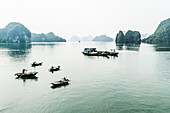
x=60 y=83
x=94 y=54
x=26 y=75
x=54 y=69
x=113 y=53
x=37 y=64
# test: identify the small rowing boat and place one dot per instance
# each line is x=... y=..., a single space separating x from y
x=62 y=82
x=36 y=64
x=26 y=75
x=54 y=68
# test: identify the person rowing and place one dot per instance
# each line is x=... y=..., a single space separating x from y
x=23 y=71
x=65 y=79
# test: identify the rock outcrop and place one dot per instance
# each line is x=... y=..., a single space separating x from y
x=129 y=37
x=120 y=37
x=15 y=32
x=49 y=37
x=161 y=35
x=103 y=38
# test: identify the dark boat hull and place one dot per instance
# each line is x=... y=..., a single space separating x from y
x=94 y=54
x=109 y=53
x=26 y=75
x=113 y=54
x=37 y=64
x=54 y=69
x=60 y=83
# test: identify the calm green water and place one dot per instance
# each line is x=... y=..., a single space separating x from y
x=137 y=81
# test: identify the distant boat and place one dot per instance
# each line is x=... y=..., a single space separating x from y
x=36 y=64
x=94 y=52
x=54 y=68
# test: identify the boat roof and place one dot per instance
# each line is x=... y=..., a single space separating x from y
x=89 y=48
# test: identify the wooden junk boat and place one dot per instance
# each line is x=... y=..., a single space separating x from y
x=62 y=82
x=26 y=75
x=94 y=52
x=36 y=64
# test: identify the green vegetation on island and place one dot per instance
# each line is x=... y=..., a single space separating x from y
x=49 y=37
x=129 y=37
x=103 y=38
x=161 y=35
x=15 y=32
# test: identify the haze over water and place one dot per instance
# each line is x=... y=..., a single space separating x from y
x=137 y=81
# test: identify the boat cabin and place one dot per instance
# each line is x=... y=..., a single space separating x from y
x=88 y=50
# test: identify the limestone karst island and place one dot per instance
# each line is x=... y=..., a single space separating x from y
x=15 y=32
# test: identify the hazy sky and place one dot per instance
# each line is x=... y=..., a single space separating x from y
x=85 y=17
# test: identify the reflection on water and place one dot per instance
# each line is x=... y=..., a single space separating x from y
x=132 y=82
x=16 y=50
x=119 y=46
x=14 y=46
x=49 y=44
x=28 y=78
x=130 y=47
x=162 y=48
x=96 y=57
x=136 y=47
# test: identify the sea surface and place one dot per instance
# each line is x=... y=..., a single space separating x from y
x=137 y=81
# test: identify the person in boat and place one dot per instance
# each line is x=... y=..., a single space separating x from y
x=64 y=79
x=34 y=62
x=23 y=71
x=52 y=67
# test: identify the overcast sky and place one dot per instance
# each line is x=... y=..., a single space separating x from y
x=85 y=17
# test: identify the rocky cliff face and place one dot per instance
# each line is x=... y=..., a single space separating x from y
x=161 y=35
x=129 y=37
x=133 y=37
x=120 y=37
x=103 y=38
x=15 y=32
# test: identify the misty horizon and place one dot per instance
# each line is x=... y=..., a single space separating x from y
x=81 y=18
